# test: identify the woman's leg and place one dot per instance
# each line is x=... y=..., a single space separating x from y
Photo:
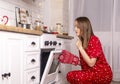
x=78 y=77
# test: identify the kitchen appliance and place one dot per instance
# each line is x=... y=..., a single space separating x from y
x=50 y=48
x=52 y=69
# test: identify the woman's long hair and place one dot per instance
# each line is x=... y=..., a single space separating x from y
x=86 y=31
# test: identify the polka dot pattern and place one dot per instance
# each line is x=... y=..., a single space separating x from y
x=100 y=73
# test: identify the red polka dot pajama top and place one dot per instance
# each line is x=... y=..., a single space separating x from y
x=100 y=73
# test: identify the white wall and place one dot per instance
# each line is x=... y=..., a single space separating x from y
x=56 y=11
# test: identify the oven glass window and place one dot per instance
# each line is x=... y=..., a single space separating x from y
x=44 y=58
x=54 y=65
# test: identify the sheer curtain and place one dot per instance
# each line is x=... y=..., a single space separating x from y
x=98 y=11
x=104 y=16
x=116 y=41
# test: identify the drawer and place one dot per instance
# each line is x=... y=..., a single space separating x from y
x=32 y=60
x=31 y=43
x=32 y=76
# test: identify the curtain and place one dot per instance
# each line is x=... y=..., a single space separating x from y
x=105 y=19
x=98 y=11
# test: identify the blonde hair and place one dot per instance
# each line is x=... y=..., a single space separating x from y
x=85 y=27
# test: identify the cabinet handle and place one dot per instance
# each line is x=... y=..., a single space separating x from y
x=33 y=78
x=59 y=71
x=33 y=43
x=33 y=61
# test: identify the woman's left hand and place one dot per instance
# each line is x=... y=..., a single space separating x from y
x=79 y=44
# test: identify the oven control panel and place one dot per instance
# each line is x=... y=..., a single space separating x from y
x=50 y=41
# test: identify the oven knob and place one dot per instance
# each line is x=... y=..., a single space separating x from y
x=59 y=44
x=51 y=42
x=54 y=43
x=46 y=43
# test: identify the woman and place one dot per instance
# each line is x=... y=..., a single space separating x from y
x=95 y=69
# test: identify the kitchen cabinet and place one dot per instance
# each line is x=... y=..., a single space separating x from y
x=19 y=58
x=31 y=60
x=11 y=48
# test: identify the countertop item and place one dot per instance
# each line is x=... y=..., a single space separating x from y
x=59 y=35
x=19 y=30
x=64 y=36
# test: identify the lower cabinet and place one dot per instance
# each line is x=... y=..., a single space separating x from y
x=31 y=67
x=11 y=53
x=15 y=68
x=31 y=60
x=31 y=76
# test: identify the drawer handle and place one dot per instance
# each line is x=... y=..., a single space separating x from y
x=33 y=61
x=33 y=78
x=33 y=43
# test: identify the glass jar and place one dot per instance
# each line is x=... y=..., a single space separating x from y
x=58 y=28
x=38 y=25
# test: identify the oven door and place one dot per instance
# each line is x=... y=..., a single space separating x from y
x=51 y=70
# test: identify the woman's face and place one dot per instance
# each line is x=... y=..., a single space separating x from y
x=77 y=30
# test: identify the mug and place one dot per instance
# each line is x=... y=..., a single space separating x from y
x=4 y=20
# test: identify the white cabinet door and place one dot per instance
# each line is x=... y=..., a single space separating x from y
x=2 y=80
x=11 y=51
x=12 y=61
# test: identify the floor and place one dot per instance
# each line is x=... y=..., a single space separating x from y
x=115 y=83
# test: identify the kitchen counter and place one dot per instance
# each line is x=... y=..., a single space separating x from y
x=59 y=35
x=64 y=36
x=19 y=30
x=28 y=31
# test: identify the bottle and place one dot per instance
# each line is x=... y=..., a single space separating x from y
x=42 y=26
x=62 y=29
x=28 y=25
x=58 y=27
x=38 y=25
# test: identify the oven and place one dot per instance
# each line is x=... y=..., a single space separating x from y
x=50 y=48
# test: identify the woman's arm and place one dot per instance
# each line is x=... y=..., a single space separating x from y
x=90 y=61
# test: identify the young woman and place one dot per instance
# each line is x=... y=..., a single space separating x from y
x=95 y=69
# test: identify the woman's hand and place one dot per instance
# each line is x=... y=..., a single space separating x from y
x=79 y=44
x=68 y=58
